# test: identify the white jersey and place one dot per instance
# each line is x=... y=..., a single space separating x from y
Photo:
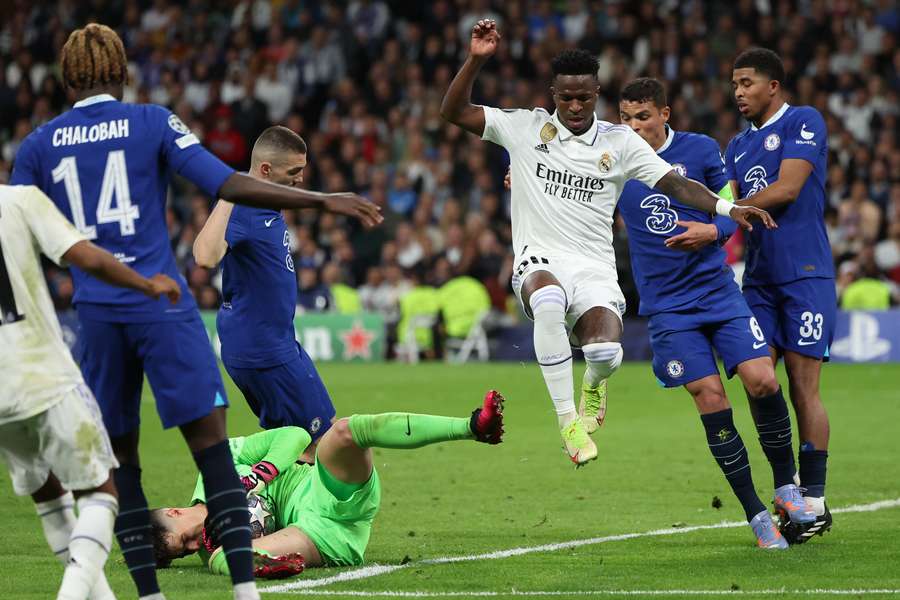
x=565 y=186
x=36 y=369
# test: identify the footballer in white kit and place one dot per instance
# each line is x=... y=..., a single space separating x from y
x=568 y=170
x=51 y=431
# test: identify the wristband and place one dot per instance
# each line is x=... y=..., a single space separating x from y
x=723 y=207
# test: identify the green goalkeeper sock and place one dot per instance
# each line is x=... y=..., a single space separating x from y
x=406 y=430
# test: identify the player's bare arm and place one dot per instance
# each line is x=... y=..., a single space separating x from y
x=210 y=245
x=792 y=176
x=457 y=107
x=104 y=266
x=696 y=236
x=694 y=194
x=244 y=189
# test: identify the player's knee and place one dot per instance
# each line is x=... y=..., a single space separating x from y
x=340 y=433
x=710 y=400
x=763 y=386
x=603 y=357
x=548 y=306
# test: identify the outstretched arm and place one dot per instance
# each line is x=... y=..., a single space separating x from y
x=270 y=453
x=243 y=189
x=697 y=195
x=457 y=107
x=792 y=176
x=210 y=245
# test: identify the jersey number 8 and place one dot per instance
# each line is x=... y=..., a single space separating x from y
x=114 y=185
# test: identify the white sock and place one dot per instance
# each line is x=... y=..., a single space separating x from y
x=58 y=520
x=554 y=355
x=817 y=504
x=246 y=591
x=89 y=545
x=602 y=359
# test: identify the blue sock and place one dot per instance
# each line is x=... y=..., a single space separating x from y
x=226 y=503
x=813 y=464
x=728 y=449
x=132 y=529
x=773 y=423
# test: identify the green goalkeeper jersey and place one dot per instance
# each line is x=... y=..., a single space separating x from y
x=281 y=447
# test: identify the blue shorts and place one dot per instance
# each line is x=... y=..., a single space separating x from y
x=288 y=394
x=175 y=355
x=798 y=316
x=683 y=341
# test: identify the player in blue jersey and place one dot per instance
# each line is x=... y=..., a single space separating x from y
x=779 y=164
x=106 y=166
x=694 y=306
x=259 y=286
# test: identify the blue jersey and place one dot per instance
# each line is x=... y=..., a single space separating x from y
x=106 y=166
x=670 y=279
x=259 y=288
x=799 y=248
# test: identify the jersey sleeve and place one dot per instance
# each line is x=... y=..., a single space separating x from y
x=25 y=166
x=184 y=153
x=505 y=127
x=641 y=162
x=805 y=136
x=53 y=233
x=730 y=171
x=281 y=447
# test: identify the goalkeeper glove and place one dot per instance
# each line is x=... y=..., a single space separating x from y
x=261 y=475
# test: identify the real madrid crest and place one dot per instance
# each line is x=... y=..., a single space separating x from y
x=548 y=132
x=605 y=163
x=772 y=142
x=680 y=169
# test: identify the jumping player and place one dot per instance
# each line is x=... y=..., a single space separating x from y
x=779 y=164
x=568 y=170
x=106 y=164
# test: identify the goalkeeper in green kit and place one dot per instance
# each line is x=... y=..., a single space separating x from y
x=322 y=513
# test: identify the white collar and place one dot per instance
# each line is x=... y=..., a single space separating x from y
x=587 y=138
x=773 y=118
x=669 y=137
x=94 y=100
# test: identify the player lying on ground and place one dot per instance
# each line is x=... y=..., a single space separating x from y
x=780 y=164
x=569 y=169
x=324 y=511
x=259 y=297
x=106 y=165
x=693 y=304
x=48 y=416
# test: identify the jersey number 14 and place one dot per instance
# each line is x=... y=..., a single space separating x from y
x=114 y=187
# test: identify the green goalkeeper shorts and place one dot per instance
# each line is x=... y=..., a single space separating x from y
x=339 y=528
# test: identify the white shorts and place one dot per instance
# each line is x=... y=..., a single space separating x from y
x=67 y=438
x=584 y=284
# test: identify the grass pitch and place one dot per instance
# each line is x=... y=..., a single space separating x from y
x=461 y=499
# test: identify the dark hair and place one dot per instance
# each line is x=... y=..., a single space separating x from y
x=280 y=140
x=643 y=89
x=763 y=61
x=575 y=62
x=158 y=532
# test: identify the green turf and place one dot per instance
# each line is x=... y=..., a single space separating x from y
x=461 y=498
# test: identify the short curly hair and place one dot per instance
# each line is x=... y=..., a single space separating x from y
x=158 y=533
x=575 y=62
x=763 y=61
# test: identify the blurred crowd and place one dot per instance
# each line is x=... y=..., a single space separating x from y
x=362 y=82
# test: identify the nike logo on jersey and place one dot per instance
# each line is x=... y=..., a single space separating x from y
x=739 y=157
x=806 y=135
x=269 y=222
x=758 y=345
x=806 y=343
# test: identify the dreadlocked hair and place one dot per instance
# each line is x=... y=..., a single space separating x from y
x=94 y=56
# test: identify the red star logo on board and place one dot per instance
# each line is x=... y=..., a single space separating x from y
x=357 y=342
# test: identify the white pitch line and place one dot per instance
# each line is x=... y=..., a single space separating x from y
x=569 y=593
x=376 y=570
